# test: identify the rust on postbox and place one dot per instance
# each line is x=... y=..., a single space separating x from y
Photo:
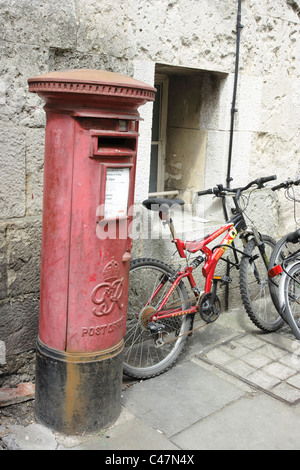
x=89 y=177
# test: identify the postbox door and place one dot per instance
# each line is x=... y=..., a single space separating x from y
x=103 y=190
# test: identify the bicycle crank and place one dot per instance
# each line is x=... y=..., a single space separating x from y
x=210 y=309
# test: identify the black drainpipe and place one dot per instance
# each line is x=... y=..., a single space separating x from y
x=234 y=109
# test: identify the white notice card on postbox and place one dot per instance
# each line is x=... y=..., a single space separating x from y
x=116 y=192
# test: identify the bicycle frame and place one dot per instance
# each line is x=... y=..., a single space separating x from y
x=208 y=270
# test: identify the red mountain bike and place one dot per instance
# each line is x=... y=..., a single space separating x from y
x=160 y=313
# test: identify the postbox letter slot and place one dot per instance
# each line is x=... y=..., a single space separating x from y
x=117 y=146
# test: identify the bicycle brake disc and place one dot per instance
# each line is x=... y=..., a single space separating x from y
x=210 y=312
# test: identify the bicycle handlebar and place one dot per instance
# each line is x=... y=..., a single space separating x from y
x=220 y=191
x=206 y=191
x=286 y=184
x=266 y=179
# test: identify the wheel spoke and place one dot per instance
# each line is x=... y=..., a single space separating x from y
x=255 y=290
x=143 y=355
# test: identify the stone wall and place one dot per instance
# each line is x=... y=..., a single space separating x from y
x=130 y=37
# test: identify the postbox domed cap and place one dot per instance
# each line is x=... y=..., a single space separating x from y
x=80 y=79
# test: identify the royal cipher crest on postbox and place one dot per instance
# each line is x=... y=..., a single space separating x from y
x=107 y=295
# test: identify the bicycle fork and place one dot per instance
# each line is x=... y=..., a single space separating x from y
x=261 y=246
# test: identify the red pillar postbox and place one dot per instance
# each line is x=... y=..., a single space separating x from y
x=89 y=177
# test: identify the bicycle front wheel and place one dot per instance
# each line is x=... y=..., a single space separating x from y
x=289 y=295
x=283 y=249
x=254 y=286
x=147 y=354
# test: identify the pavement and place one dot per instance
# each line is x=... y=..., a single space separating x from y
x=234 y=388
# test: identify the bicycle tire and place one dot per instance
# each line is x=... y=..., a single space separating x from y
x=143 y=358
x=254 y=288
x=289 y=293
x=282 y=250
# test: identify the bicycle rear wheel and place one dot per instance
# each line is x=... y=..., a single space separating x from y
x=289 y=295
x=254 y=286
x=147 y=354
x=283 y=249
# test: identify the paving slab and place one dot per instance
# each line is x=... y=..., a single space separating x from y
x=130 y=435
x=31 y=437
x=175 y=400
x=204 y=337
x=252 y=423
x=259 y=362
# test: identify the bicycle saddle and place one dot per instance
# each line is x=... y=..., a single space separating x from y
x=293 y=237
x=161 y=204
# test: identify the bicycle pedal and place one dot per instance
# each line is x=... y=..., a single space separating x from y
x=223 y=279
x=155 y=327
x=227 y=279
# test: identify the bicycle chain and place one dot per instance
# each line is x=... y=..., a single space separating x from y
x=184 y=334
x=191 y=331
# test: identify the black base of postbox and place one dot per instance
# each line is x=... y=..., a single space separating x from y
x=78 y=392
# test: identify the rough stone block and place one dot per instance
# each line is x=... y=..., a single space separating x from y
x=21 y=21
x=19 y=323
x=61 y=24
x=24 y=251
x=12 y=175
x=35 y=149
x=18 y=62
x=51 y=23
